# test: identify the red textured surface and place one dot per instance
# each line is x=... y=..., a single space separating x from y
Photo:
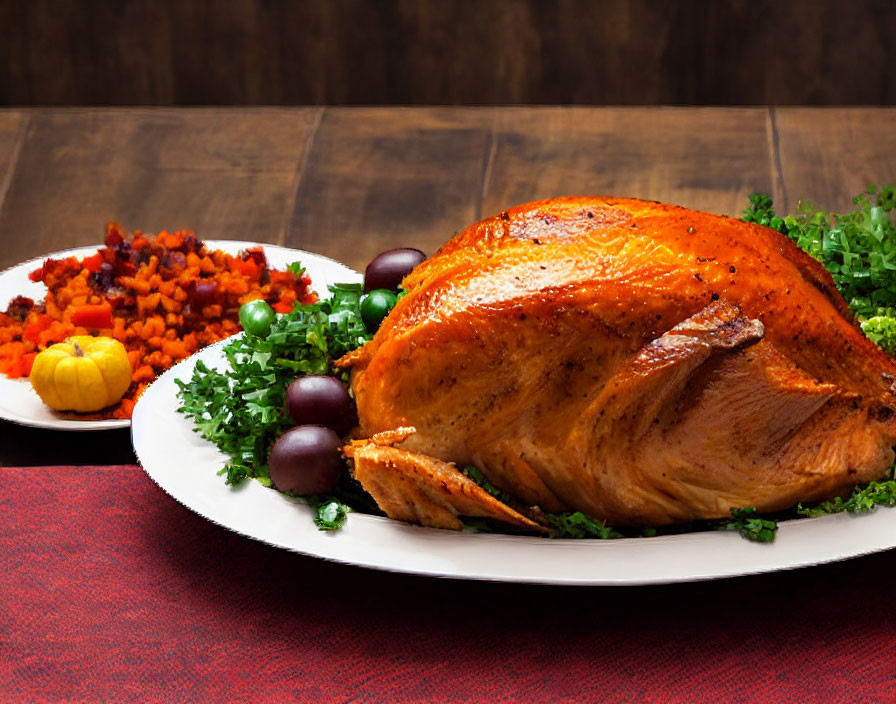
x=111 y=591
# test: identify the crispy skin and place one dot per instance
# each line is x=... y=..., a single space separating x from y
x=414 y=487
x=643 y=363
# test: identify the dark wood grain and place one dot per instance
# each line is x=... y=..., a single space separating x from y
x=414 y=177
x=457 y=52
x=13 y=126
x=828 y=156
x=390 y=177
x=227 y=174
x=708 y=159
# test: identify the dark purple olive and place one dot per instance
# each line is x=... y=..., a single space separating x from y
x=321 y=400
x=205 y=293
x=386 y=270
x=305 y=460
x=105 y=274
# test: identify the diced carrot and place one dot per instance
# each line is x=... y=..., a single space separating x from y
x=11 y=359
x=15 y=368
x=169 y=240
x=147 y=304
x=143 y=373
x=93 y=317
x=139 y=286
x=57 y=332
x=125 y=409
x=175 y=348
x=134 y=357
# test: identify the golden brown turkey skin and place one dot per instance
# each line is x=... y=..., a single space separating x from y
x=643 y=363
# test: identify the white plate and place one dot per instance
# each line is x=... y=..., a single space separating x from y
x=19 y=403
x=186 y=466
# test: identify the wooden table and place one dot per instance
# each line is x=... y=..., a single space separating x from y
x=349 y=183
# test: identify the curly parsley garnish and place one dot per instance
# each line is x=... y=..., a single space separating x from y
x=329 y=512
x=240 y=409
x=578 y=525
x=862 y=500
x=751 y=525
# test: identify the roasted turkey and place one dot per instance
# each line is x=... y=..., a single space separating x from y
x=639 y=362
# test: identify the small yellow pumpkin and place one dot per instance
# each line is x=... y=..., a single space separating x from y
x=82 y=374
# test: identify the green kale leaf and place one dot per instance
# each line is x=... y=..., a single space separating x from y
x=761 y=211
x=751 y=525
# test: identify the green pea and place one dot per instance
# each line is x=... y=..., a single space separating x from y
x=256 y=317
x=375 y=306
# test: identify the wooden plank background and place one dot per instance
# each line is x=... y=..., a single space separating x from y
x=227 y=173
x=349 y=182
x=447 y=52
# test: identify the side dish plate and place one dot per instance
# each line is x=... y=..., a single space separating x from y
x=19 y=403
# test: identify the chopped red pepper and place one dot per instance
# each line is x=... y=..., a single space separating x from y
x=283 y=307
x=92 y=316
x=36 y=327
x=15 y=368
x=27 y=363
x=40 y=273
x=114 y=234
x=256 y=254
x=92 y=264
x=245 y=267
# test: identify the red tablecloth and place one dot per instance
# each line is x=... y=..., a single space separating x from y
x=111 y=591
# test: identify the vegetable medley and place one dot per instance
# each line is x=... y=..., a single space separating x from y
x=164 y=297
